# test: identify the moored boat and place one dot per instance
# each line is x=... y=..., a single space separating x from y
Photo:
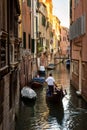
x=42 y=71
x=28 y=94
x=68 y=63
x=37 y=82
x=51 y=66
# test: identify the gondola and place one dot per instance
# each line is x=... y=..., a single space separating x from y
x=68 y=64
x=56 y=96
x=37 y=82
x=42 y=71
x=28 y=94
x=51 y=66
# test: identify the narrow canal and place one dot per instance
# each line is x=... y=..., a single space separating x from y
x=70 y=115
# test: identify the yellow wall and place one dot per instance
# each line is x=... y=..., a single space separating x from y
x=49 y=6
x=20 y=19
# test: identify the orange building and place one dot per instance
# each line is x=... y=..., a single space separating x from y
x=26 y=65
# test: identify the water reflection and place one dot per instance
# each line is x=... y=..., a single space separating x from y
x=71 y=114
x=75 y=111
x=58 y=114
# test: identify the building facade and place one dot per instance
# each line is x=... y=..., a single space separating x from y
x=56 y=34
x=64 y=43
x=41 y=33
x=26 y=59
x=78 y=41
x=9 y=63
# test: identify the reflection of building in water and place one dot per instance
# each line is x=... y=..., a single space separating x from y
x=62 y=75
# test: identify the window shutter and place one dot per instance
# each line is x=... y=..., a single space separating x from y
x=33 y=46
x=83 y=25
x=29 y=3
x=24 y=40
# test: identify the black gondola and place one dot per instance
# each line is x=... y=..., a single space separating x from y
x=68 y=64
x=56 y=96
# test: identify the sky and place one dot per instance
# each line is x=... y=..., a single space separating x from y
x=61 y=10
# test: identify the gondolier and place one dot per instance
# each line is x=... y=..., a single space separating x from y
x=50 y=82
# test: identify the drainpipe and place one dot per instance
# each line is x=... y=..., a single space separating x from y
x=80 y=75
x=32 y=30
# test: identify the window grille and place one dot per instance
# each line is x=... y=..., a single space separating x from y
x=78 y=28
x=1 y=99
x=24 y=39
x=2 y=53
x=43 y=20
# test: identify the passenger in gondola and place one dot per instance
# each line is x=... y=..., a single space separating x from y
x=38 y=75
x=50 y=82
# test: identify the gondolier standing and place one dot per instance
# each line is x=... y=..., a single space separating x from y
x=50 y=82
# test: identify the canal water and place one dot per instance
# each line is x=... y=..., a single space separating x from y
x=71 y=114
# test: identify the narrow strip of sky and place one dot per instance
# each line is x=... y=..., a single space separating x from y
x=61 y=10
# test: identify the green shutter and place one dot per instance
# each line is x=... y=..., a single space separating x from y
x=29 y=40
x=29 y=3
x=33 y=46
x=43 y=20
x=24 y=40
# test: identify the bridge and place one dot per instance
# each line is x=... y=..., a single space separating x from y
x=62 y=58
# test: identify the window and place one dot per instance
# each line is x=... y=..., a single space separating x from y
x=84 y=71
x=24 y=40
x=36 y=25
x=33 y=46
x=75 y=67
x=76 y=2
x=29 y=3
x=1 y=99
x=38 y=4
x=14 y=53
x=10 y=92
x=3 y=51
x=12 y=88
x=78 y=28
x=3 y=35
x=64 y=38
x=29 y=39
x=1 y=114
x=3 y=14
x=43 y=20
x=47 y=26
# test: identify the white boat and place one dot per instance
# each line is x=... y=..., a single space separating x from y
x=41 y=70
x=28 y=93
x=51 y=66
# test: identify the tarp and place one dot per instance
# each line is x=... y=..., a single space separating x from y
x=39 y=79
x=28 y=92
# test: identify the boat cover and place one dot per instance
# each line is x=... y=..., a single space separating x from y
x=28 y=92
x=38 y=79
